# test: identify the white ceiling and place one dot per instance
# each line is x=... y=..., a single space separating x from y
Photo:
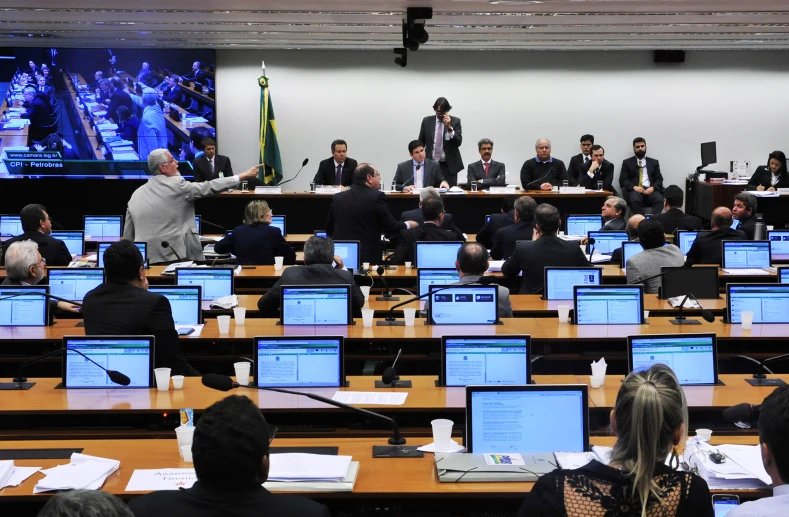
x=376 y=24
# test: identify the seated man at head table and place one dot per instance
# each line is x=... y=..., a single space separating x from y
x=707 y=248
x=543 y=172
x=25 y=266
x=598 y=171
x=506 y=238
x=123 y=306
x=486 y=172
x=641 y=180
x=37 y=227
x=579 y=163
x=496 y=221
x=545 y=249
x=419 y=171
x=85 y=503
x=429 y=231
x=656 y=255
x=338 y=170
x=210 y=165
x=318 y=270
x=471 y=263
x=256 y=241
x=230 y=449
x=447 y=223
x=674 y=218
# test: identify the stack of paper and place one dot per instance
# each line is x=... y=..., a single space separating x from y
x=107 y=126
x=745 y=271
x=83 y=473
x=742 y=469
x=225 y=302
x=14 y=124
x=494 y=266
x=308 y=467
x=170 y=270
x=11 y=475
x=675 y=301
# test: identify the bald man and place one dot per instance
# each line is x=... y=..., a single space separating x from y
x=632 y=234
x=543 y=172
x=706 y=249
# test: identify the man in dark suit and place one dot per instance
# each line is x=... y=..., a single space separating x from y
x=145 y=76
x=506 y=238
x=447 y=222
x=442 y=135
x=119 y=98
x=641 y=180
x=337 y=170
x=173 y=93
x=196 y=74
x=230 y=449
x=418 y=172
x=122 y=305
x=674 y=218
x=317 y=269
x=98 y=76
x=39 y=113
x=543 y=172
x=32 y=69
x=24 y=265
x=707 y=248
x=599 y=170
x=505 y=218
x=486 y=172
x=210 y=166
x=361 y=214
x=546 y=249
x=37 y=227
x=49 y=93
x=433 y=215
x=613 y=213
x=579 y=163
x=744 y=210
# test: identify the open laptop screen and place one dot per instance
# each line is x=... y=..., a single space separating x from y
x=692 y=357
x=23 y=311
x=428 y=277
x=464 y=305
x=686 y=238
x=278 y=221
x=484 y=360
x=103 y=226
x=348 y=251
x=142 y=246
x=629 y=249
x=74 y=284
x=299 y=362
x=527 y=419
x=129 y=355
x=185 y=302
x=779 y=245
x=746 y=254
x=609 y=305
x=215 y=281
x=768 y=302
x=559 y=281
x=316 y=305
x=783 y=275
x=606 y=242
x=583 y=224
x=74 y=241
x=10 y=226
x=437 y=254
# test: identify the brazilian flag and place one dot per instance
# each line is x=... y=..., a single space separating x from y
x=271 y=173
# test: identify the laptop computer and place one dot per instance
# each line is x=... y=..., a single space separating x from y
x=10 y=226
x=348 y=251
x=485 y=360
x=185 y=302
x=630 y=248
x=74 y=241
x=779 y=245
x=609 y=304
x=142 y=246
x=437 y=255
x=129 y=355
x=103 y=226
x=299 y=361
x=74 y=284
x=606 y=242
x=559 y=281
x=700 y=281
x=692 y=357
x=582 y=224
x=428 y=277
x=316 y=305
x=530 y=418
x=685 y=238
x=746 y=254
x=463 y=305
x=783 y=275
x=23 y=311
x=768 y=302
x=216 y=281
x=278 y=221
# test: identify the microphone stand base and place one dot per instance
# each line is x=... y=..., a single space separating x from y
x=395 y=384
x=397 y=451
x=16 y=386
x=685 y=322
x=384 y=323
x=765 y=382
x=387 y=298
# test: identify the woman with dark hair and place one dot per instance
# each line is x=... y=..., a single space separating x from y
x=771 y=176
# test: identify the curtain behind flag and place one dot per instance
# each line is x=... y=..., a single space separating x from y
x=271 y=173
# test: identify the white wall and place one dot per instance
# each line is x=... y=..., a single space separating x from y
x=735 y=98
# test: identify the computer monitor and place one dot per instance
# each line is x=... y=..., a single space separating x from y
x=779 y=245
x=103 y=226
x=746 y=254
x=686 y=238
x=428 y=277
x=692 y=357
x=709 y=153
x=488 y=360
x=299 y=361
x=319 y=233
x=463 y=305
x=527 y=419
x=23 y=310
x=609 y=304
x=215 y=281
x=75 y=241
x=10 y=226
x=316 y=305
x=700 y=281
x=74 y=284
x=630 y=248
x=278 y=221
x=199 y=225
x=783 y=275
x=768 y=302
x=129 y=355
x=348 y=251
x=185 y=302
x=606 y=242
x=142 y=246
x=437 y=255
x=559 y=281
x=582 y=224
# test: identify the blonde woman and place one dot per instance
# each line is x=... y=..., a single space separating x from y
x=256 y=242
x=650 y=420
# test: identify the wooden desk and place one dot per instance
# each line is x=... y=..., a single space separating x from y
x=87 y=128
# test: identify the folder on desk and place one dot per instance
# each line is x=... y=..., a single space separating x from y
x=472 y=468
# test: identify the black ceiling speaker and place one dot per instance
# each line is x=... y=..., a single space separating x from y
x=669 y=56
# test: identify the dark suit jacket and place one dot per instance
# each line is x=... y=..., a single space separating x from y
x=447 y=224
x=361 y=214
x=534 y=174
x=173 y=95
x=327 y=172
x=39 y=112
x=576 y=167
x=748 y=226
x=197 y=76
x=123 y=309
x=199 y=501
x=203 y=170
x=147 y=78
x=532 y=257
x=707 y=248
x=763 y=177
x=486 y=234
x=431 y=176
x=406 y=249
x=505 y=239
x=604 y=173
x=427 y=134
x=256 y=244
x=616 y=224
x=496 y=173
x=119 y=98
x=675 y=219
x=628 y=177
x=312 y=274
x=53 y=250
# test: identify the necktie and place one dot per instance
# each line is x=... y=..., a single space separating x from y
x=640 y=173
x=211 y=163
x=418 y=178
x=338 y=175
x=438 y=148
x=487 y=168
x=586 y=160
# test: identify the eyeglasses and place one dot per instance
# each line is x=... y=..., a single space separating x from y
x=272 y=432
x=41 y=261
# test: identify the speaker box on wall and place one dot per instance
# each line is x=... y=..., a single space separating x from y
x=669 y=56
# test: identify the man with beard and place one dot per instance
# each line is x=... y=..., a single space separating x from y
x=486 y=172
x=641 y=181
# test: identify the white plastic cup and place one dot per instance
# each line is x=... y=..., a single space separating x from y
x=442 y=431
x=408 y=265
x=367 y=317
x=186 y=453
x=646 y=316
x=596 y=382
x=410 y=316
x=242 y=372
x=704 y=434
x=178 y=382
x=365 y=265
x=278 y=261
x=184 y=434
x=224 y=323
x=746 y=317
x=240 y=315
x=162 y=378
x=365 y=291
x=564 y=313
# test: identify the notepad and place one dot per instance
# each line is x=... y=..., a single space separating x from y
x=372 y=398
x=307 y=467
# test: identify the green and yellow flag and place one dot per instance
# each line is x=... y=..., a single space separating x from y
x=271 y=174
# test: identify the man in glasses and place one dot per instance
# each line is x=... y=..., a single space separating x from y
x=543 y=172
x=25 y=266
x=442 y=135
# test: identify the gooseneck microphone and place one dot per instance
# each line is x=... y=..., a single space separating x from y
x=209 y=223
x=680 y=319
x=390 y=379
x=759 y=378
x=591 y=242
x=166 y=245
x=20 y=381
x=305 y=162
x=550 y=171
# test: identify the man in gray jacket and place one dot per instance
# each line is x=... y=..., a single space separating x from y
x=655 y=256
